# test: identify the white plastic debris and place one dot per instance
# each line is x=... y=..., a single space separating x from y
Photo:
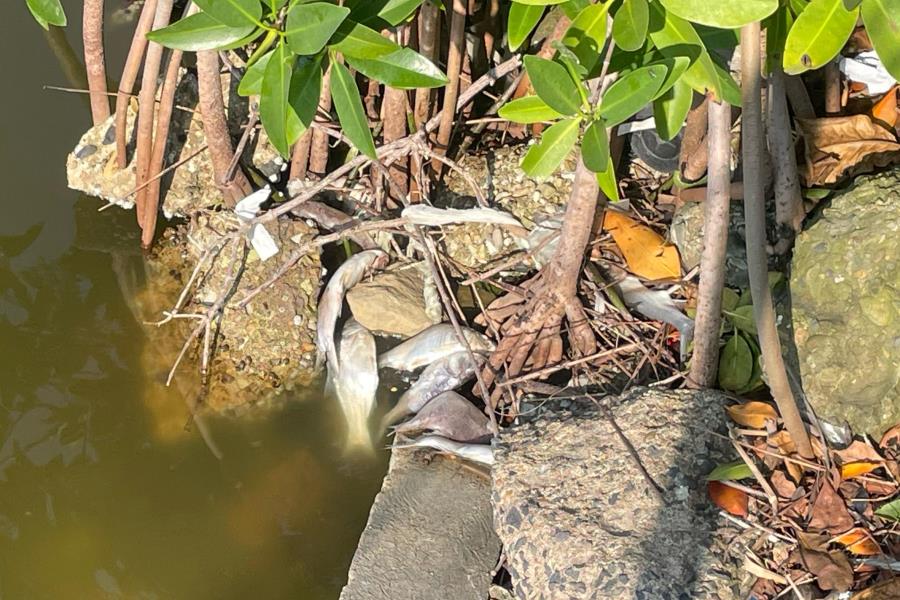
x=421 y=214
x=260 y=238
x=867 y=68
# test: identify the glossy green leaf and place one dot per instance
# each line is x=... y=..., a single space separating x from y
x=608 y=184
x=671 y=109
x=529 y=109
x=587 y=34
x=674 y=36
x=798 y=6
x=303 y=99
x=47 y=12
x=675 y=68
x=730 y=472
x=544 y=157
x=818 y=35
x=573 y=7
x=735 y=364
x=358 y=41
x=350 y=110
x=882 y=20
x=404 y=69
x=522 y=21
x=742 y=319
x=630 y=24
x=310 y=26
x=730 y=299
x=595 y=147
x=397 y=11
x=631 y=93
x=251 y=82
x=199 y=32
x=891 y=510
x=235 y=13
x=728 y=14
x=539 y=2
x=553 y=84
x=777 y=26
x=273 y=99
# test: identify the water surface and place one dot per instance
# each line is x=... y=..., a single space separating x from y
x=103 y=493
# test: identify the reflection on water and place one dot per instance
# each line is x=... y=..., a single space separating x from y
x=103 y=493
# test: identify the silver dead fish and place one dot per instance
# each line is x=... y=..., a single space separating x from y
x=357 y=382
x=478 y=453
x=430 y=345
x=440 y=376
x=422 y=214
x=657 y=304
x=345 y=277
x=451 y=416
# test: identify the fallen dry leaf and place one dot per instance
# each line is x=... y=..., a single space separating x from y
x=782 y=440
x=752 y=414
x=760 y=571
x=783 y=486
x=858 y=541
x=886 y=109
x=859 y=451
x=829 y=512
x=855 y=469
x=838 y=147
x=891 y=439
x=646 y=252
x=813 y=541
x=729 y=499
x=886 y=590
x=794 y=470
x=832 y=569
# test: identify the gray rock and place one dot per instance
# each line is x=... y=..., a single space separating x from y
x=845 y=288
x=393 y=302
x=686 y=233
x=578 y=519
x=429 y=535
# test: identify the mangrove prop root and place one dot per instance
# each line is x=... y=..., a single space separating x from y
x=147 y=108
x=454 y=68
x=212 y=109
x=129 y=77
x=705 y=359
x=788 y=200
x=94 y=58
x=694 y=149
x=755 y=215
x=318 y=153
x=832 y=88
x=393 y=117
x=300 y=156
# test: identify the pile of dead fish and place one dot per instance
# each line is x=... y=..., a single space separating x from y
x=440 y=417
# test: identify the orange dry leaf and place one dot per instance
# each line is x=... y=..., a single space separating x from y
x=729 y=499
x=646 y=252
x=886 y=108
x=782 y=440
x=752 y=414
x=859 y=542
x=855 y=469
x=838 y=147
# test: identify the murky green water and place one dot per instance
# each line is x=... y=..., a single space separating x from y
x=101 y=496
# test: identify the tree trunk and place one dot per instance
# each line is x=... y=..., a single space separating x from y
x=94 y=59
x=212 y=109
x=705 y=360
x=755 y=216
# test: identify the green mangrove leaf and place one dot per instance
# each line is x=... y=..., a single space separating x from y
x=675 y=68
x=273 y=99
x=730 y=472
x=595 y=147
x=543 y=158
x=529 y=109
x=404 y=69
x=777 y=26
x=235 y=13
x=735 y=364
x=882 y=20
x=251 y=82
x=798 y=6
x=727 y=14
x=891 y=510
x=553 y=84
x=397 y=11
x=608 y=184
x=199 y=32
x=310 y=26
x=523 y=18
x=818 y=35
x=671 y=109
x=587 y=34
x=730 y=299
x=47 y=12
x=742 y=318
x=539 y=2
x=359 y=41
x=674 y=36
x=303 y=99
x=630 y=24
x=350 y=110
x=631 y=93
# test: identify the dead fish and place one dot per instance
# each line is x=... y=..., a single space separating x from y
x=451 y=416
x=430 y=345
x=478 y=453
x=356 y=383
x=422 y=214
x=440 y=376
x=657 y=304
x=345 y=277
